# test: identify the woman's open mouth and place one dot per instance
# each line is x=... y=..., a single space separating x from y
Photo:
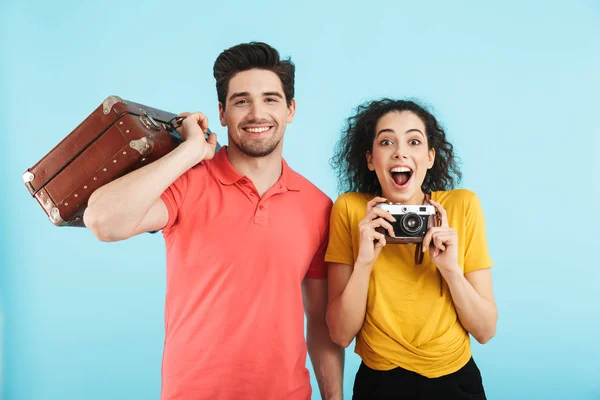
x=401 y=177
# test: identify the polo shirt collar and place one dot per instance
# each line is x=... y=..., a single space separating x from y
x=227 y=174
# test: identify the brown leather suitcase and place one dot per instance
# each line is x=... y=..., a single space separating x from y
x=118 y=137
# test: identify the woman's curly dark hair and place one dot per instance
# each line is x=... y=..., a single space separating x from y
x=349 y=161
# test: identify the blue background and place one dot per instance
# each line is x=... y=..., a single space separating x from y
x=516 y=85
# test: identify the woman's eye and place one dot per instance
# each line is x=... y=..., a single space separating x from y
x=415 y=142
x=386 y=142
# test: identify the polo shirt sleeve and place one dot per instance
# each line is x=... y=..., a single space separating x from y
x=339 y=249
x=476 y=249
x=317 y=268
x=173 y=198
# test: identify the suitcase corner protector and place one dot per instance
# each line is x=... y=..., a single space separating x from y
x=55 y=217
x=28 y=176
x=110 y=101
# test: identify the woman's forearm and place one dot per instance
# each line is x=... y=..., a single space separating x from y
x=477 y=314
x=346 y=313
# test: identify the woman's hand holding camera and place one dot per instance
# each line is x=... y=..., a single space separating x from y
x=442 y=243
x=371 y=241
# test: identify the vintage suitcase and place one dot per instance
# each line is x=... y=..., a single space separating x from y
x=118 y=137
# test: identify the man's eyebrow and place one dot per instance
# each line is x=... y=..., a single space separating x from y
x=238 y=94
x=276 y=94
x=247 y=94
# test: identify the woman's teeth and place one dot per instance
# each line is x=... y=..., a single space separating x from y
x=400 y=169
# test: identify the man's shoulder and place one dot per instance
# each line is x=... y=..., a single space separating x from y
x=200 y=170
x=309 y=189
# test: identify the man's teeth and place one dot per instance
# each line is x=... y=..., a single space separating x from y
x=258 y=130
x=400 y=169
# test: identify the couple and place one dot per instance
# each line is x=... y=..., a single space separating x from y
x=252 y=247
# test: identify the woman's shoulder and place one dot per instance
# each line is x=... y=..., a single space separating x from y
x=459 y=202
x=353 y=201
x=455 y=197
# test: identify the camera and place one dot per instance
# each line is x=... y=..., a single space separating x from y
x=412 y=222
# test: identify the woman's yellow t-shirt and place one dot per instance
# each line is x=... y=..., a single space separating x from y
x=410 y=320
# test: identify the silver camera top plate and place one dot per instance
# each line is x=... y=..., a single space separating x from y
x=399 y=209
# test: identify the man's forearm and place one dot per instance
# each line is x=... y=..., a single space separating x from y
x=477 y=314
x=118 y=207
x=327 y=360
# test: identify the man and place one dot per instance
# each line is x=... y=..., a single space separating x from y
x=245 y=238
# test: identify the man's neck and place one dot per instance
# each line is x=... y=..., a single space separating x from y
x=264 y=172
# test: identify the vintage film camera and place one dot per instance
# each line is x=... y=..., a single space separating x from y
x=412 y=222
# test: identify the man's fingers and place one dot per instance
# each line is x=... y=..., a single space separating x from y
x=199 y=119
x=212 y=139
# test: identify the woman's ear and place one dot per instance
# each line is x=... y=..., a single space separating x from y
x=370 y=161
x=431 y=158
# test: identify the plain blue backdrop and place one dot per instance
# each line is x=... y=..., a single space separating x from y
x=516 y=85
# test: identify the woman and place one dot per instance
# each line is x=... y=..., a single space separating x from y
x=411 y=321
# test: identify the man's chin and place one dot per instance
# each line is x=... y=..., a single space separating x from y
x=257 y=151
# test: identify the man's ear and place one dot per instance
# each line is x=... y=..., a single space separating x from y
x=222 y=115
x=291 y=111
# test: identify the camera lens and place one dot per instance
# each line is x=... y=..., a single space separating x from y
x=412 y=223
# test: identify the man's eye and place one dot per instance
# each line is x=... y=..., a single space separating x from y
x=271 y=99
x=243 y=101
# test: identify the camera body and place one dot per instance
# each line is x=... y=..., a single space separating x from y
x=412 y=222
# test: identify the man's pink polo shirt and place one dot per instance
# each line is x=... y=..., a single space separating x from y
x=234 y=316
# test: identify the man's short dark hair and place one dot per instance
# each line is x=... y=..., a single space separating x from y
x=248 y=56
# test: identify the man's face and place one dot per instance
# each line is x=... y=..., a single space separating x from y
x=256 y=112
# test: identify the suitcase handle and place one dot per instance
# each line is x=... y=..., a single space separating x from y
x=176 y=122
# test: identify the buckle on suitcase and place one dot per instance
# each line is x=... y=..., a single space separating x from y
x=148 y=121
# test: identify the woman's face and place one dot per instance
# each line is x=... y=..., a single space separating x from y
x=401 y=156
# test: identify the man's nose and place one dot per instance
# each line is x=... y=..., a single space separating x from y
x=256 y=112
